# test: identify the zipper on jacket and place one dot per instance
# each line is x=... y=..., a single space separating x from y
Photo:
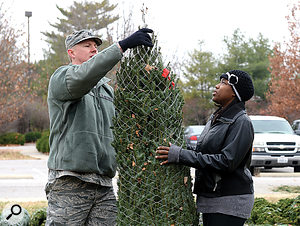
x=217 y=179
x=216 y=185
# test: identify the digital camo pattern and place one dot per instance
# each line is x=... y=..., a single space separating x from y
x=75 y=202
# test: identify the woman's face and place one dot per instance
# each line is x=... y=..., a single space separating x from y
x=223 y=93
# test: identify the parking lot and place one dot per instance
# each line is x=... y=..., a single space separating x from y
x=24 y=180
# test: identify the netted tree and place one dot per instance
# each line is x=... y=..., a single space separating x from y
x=149 y=113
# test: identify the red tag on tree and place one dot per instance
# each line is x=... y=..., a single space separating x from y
x=173 y=84
x=165 y=73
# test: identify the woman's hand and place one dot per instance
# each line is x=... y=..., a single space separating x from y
x=162 y=152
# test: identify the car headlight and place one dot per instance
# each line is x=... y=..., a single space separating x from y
x=258 y=147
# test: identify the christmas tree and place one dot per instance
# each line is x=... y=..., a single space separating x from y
x=149 y=114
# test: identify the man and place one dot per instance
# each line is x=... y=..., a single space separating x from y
x=82 y=161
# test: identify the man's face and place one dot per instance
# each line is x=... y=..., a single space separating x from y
x=83 y=51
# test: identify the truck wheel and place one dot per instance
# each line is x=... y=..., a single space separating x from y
x=254 y=171
x=296 y=169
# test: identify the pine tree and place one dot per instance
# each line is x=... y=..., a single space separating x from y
x=149 y=114
x=94 y=16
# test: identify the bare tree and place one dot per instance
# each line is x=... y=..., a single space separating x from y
x=15 y=74
x=284 y=93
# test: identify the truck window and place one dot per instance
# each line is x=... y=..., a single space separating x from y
x=272 y=126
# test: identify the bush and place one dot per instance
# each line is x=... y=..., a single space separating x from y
x=42 y=144
x=38 y=217
x=32 y=136
x=12 y=138
x=285 y=211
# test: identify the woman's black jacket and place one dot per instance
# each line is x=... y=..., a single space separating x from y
x=223 y=155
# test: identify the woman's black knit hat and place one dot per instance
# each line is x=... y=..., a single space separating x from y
x=241 y=84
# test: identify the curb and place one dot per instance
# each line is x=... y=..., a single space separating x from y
x=15 y=176
x=16 y=200
x=28 y=149
x=278 y=175
x=275 y=197
x=37 y=156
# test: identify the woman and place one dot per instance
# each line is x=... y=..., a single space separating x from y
x=223 y=182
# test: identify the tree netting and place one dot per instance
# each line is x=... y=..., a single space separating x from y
x=149 y=114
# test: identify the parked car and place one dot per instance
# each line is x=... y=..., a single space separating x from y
x=192 y=134
x=275 y=143
x=296 y=126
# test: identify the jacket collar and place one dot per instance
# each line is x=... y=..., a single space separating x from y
x=229 y=113
x=103 y=81
x=232 y=109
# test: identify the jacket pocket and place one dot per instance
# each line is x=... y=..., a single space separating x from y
x=248 y=174
x=90 y=152
x=80 y=152
x=207 y=182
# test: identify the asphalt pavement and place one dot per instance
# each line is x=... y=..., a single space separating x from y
x=24 y=180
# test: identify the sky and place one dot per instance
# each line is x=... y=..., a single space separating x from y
x=179 y=25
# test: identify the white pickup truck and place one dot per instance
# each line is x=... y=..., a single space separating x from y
x=275 y=143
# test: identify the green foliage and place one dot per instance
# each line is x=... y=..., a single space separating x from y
x=32 y=136
x=202 y=72
x=250 y=55
x=38 y=218
x=12 y=138
x=270 y=212
x=285 y=211
x=149 y=109
x=93 y=16
x=198 y=81
x=42 y=144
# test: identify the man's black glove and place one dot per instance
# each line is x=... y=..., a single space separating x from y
x=140 y=37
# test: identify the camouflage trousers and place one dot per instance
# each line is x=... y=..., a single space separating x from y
x=72 y=201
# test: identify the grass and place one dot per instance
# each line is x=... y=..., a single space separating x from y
x=13 y=155
x=273 y=198
x=288 y=189
x=284 y=192
x=31 y=207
